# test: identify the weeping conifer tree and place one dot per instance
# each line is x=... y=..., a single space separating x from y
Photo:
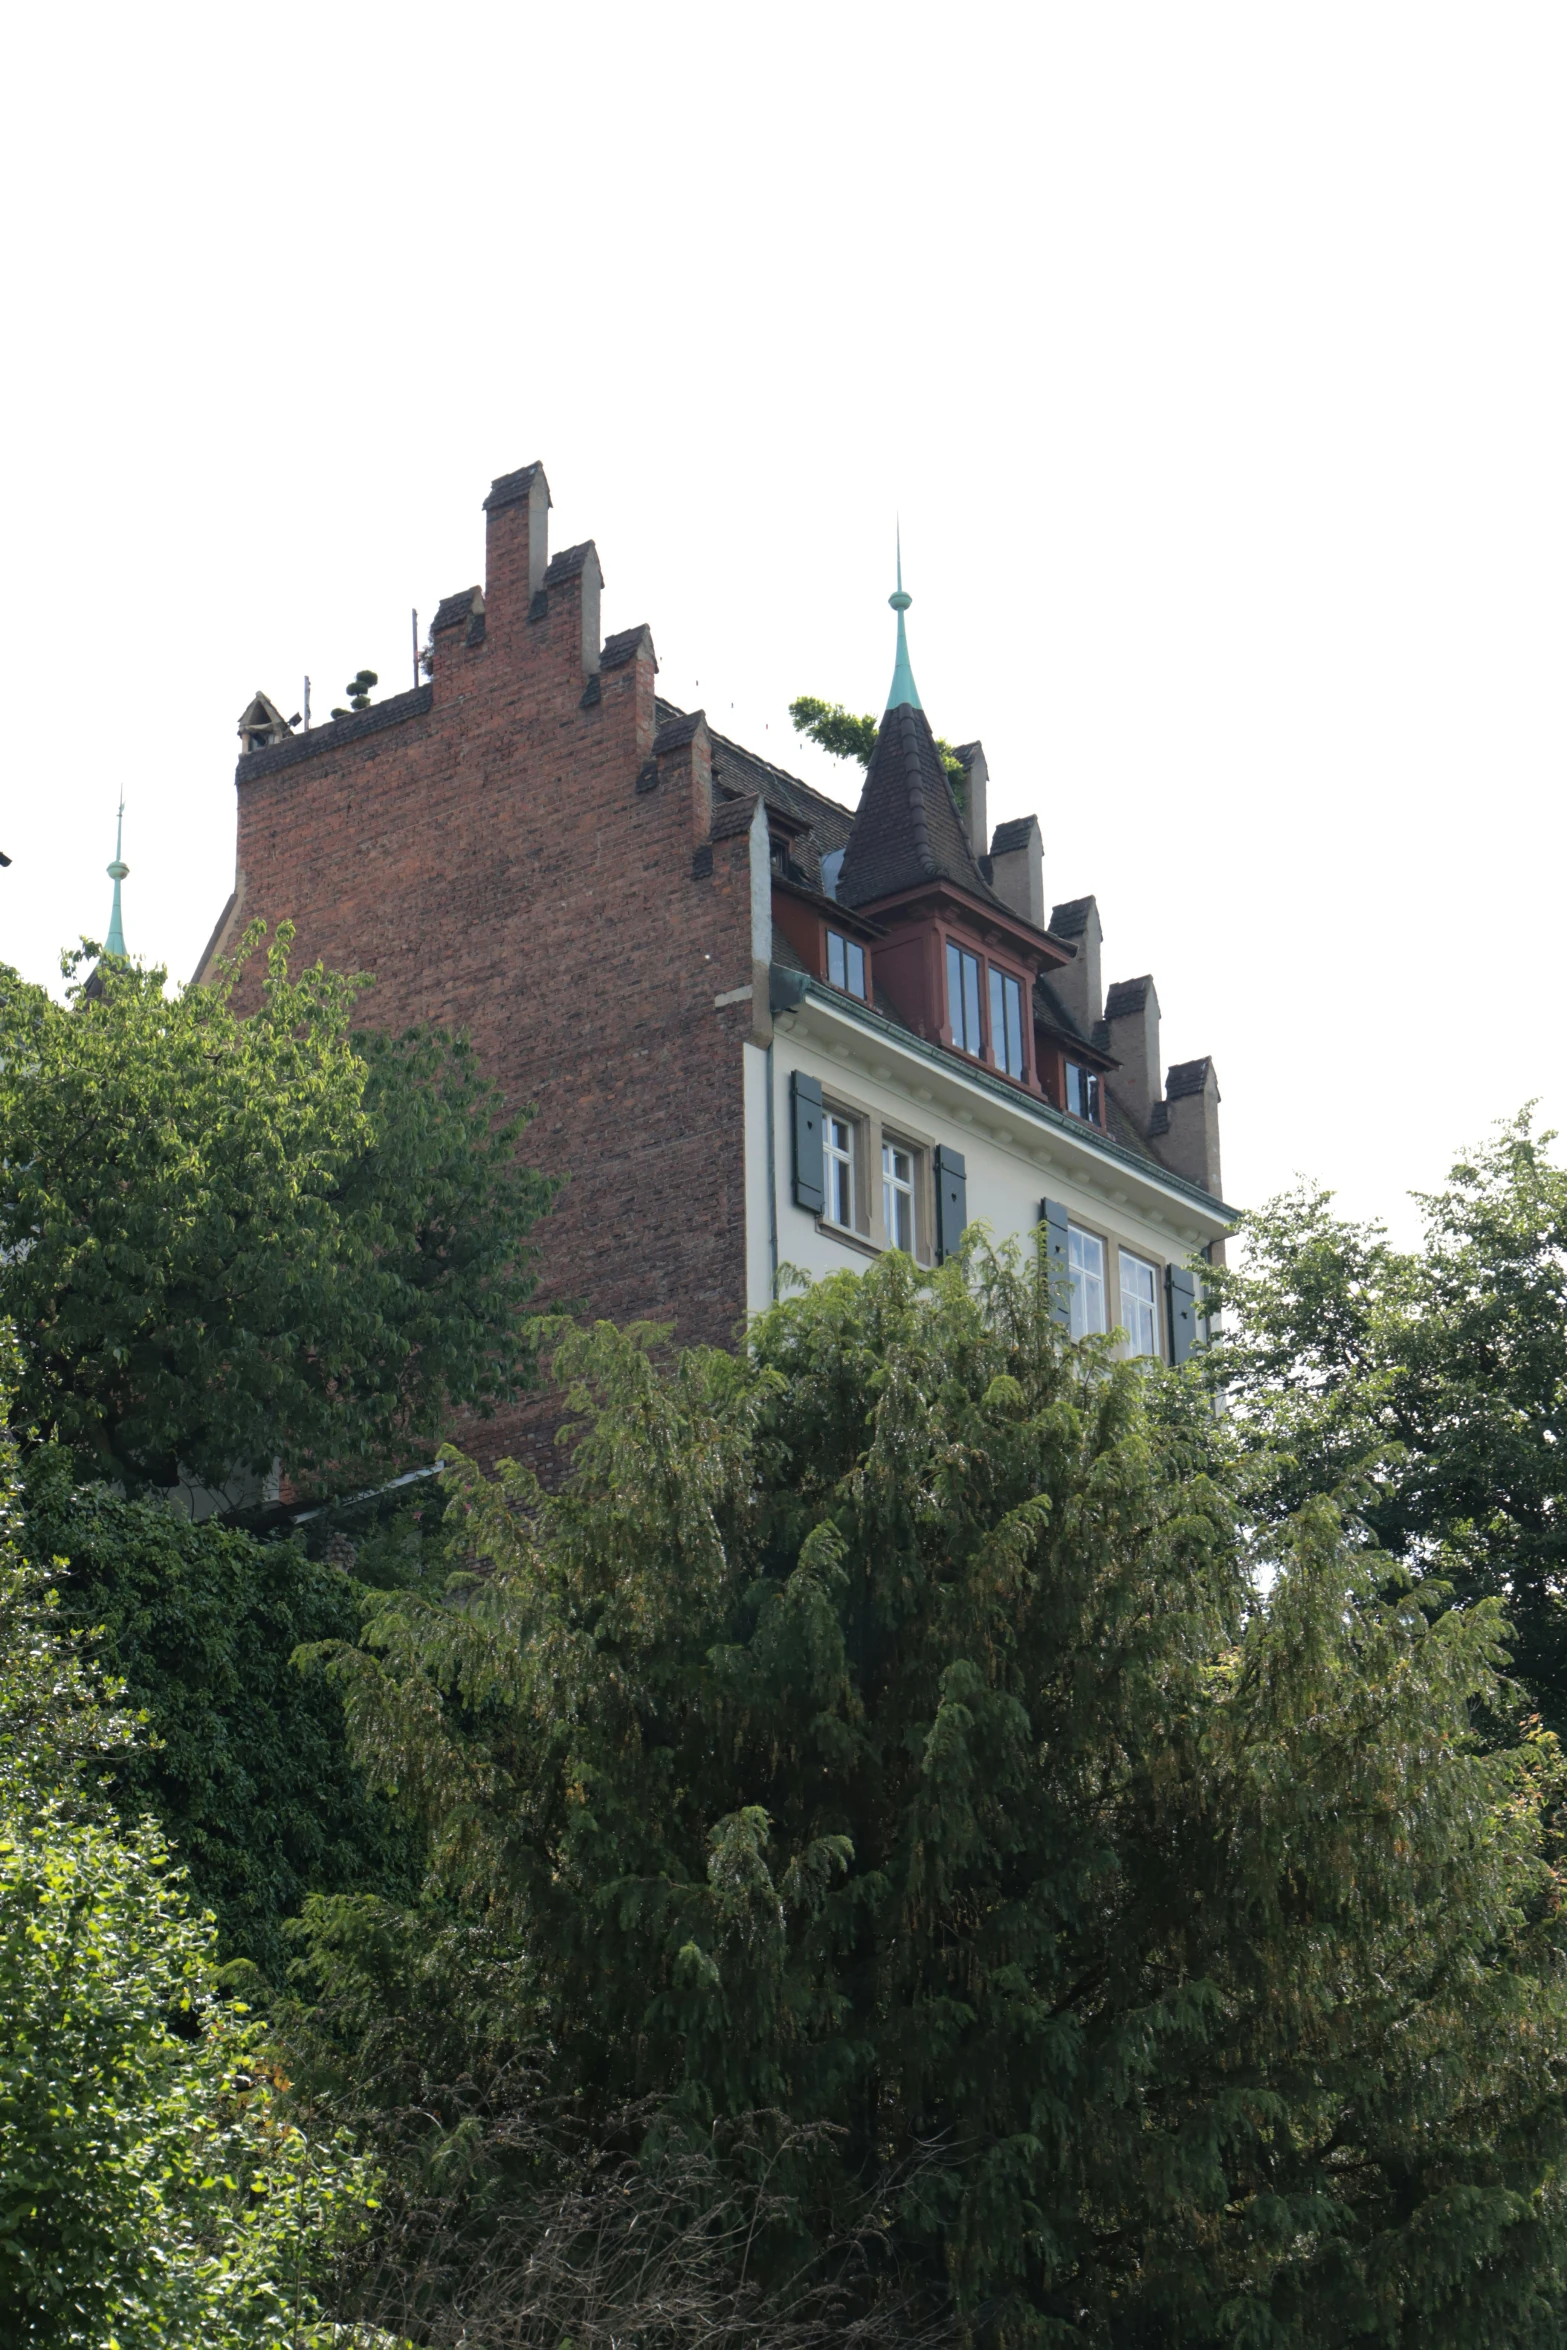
x=898 y=1726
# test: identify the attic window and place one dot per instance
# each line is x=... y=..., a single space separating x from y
x=1082 y=1093
x=778 y=853
x=846 y=964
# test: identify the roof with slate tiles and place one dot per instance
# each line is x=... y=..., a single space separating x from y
x=1012 y=835
x=907 y=829
x=569 y=562
x=1186 y=1077
x=1127 y=995
x=452 y=611
x=1071 y=920
x=509 y=487
x=737 y=772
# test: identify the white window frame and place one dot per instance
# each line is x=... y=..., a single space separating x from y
x=844 y=1159
x=1147 y=1308
x=893 y=1189
x=1087 y=1282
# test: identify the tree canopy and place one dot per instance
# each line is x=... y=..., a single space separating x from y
x=152 y=2190
x=231 y=1240
x=1436 y=1375
x=919 y=1727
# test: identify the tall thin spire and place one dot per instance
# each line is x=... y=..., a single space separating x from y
x=114 y=944
x=904 y=688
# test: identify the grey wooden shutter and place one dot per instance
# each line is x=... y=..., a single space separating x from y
x=805 y=1104
x=1180 y=1292
x=951 y=1201
x=1058 y=1266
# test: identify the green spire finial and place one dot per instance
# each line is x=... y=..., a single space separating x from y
x=904 y=688
x=114 y=944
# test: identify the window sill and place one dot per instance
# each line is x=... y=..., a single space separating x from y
x=854 y=1240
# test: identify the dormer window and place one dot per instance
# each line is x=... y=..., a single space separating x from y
x=778 y=854
x=846 y=964
x=1083 y=1093
x=963 y=999
x=1006 y=1021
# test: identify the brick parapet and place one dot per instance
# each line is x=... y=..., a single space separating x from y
x=488 y=857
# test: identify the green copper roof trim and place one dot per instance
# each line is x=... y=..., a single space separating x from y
x=114 y=944
x=904 y=689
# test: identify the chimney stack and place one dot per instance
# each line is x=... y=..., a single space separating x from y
x=1079 y=985
x=1015 y=868
x=977 y=776
x=1132 y=1018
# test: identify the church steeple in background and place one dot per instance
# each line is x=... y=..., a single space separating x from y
x=114 y=944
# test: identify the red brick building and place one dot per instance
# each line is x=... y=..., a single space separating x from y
x=759 y=1029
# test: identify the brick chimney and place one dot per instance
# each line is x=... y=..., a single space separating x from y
x=1079 y=985
x=1015 y=868
x=516 y=545
x=1132 y=1019
x=1185 y=1125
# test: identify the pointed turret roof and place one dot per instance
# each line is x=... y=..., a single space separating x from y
x=114 y=944
x=907 y=828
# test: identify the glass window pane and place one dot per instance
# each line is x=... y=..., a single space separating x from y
x=1086 y=1267
x=856 y=958
x=1139 y=1310
x=971 y=1002
x=839 y=1154
x=998 y=1020
x=1074 y=1089
x=835 y=958
x=1012 y=999
x=955 y=992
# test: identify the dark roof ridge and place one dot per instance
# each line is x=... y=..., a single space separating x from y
x=678 y=731
x=335 y=733
x=1012 y=834
x=727 y=742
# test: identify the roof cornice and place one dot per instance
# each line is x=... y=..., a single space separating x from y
x=1048 y=1130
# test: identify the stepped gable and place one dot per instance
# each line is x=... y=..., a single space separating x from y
x=907 y=829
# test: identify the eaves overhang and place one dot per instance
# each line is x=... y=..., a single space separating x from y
x=803 y=1005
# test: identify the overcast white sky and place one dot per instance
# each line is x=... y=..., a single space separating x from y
x=1214 y=357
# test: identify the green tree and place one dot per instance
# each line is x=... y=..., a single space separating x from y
x=1437 y=1374
x=245 y=1768
x=847 y=737
x=232 y=1239
x=894 y=1727
x=152 y=2190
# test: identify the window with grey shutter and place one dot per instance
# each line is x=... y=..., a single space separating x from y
x=1180 y=1291
x=805 y=1105
x=1058 y=1268
x=951 y=1201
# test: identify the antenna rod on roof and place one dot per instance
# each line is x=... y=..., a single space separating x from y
x=414 y=617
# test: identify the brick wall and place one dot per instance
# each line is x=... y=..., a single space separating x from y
x=482 y=848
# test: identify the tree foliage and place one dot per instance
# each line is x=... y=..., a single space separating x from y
x=228 y=1240
x=840 y=732
x=151 y=2188
x=245 y=1767
x=895 y=1729
x=1438 y=1375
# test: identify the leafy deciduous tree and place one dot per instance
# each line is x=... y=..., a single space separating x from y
x=231 y=1239
x=891 y=1728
